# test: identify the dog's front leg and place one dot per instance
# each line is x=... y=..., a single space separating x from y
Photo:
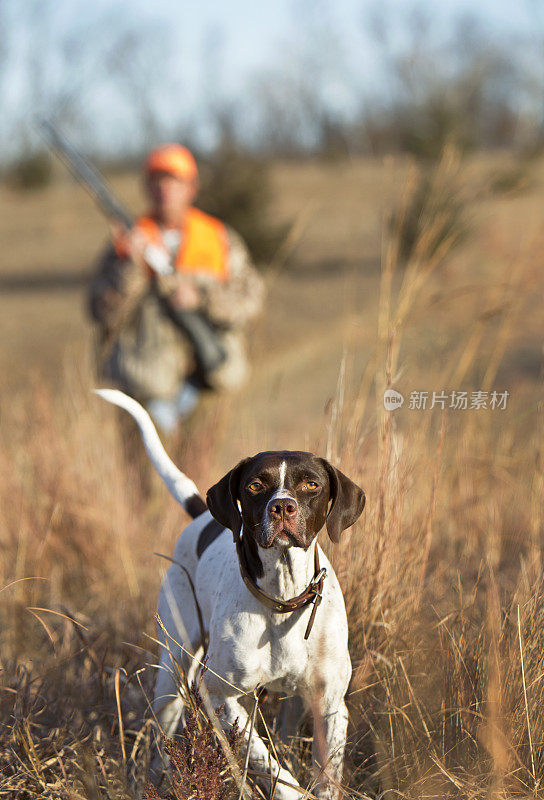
x=260 y=759
x=330 y=731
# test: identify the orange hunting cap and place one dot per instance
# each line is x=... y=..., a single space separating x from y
x=172 y=158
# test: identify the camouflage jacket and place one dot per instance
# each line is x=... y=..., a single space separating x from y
x=119 y=283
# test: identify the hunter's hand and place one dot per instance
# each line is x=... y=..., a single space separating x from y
x=133 y=242
x=186 y=295
x=137 y=244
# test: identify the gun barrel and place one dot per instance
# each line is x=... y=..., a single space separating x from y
x=86 y=174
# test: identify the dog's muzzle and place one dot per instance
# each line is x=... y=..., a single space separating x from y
x=280 y=523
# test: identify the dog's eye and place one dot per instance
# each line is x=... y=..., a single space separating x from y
x=255 y=486
x=310 y=485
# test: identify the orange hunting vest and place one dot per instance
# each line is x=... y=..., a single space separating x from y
x=203 y=248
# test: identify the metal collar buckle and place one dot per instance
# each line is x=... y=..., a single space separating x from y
x=321 y=575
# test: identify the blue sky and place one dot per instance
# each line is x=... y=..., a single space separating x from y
x=253 y=32
x=221 y=52
x=258 y=38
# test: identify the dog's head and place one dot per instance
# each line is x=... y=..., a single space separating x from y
x=284 y=498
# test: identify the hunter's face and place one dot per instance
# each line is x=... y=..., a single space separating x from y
x=170 y=196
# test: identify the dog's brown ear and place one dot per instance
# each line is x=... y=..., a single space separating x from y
x=222 y=499
x=348 y=501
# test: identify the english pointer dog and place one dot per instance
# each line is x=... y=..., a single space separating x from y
x=268 y=602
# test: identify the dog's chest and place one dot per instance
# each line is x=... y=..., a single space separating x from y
x=267 y=650
x=251 y=645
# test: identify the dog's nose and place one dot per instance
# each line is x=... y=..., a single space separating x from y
x=284 y=508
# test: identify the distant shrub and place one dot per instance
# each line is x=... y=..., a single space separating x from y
x=510 y=180
x=236 y=188
x=425 y=132
x=433 y=216
x=31 y=172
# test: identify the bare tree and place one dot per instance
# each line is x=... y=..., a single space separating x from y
x=464 y=87
x=80 y=72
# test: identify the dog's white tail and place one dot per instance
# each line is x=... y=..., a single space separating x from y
x=179 y=485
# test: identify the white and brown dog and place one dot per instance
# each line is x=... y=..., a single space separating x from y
x=258 y=598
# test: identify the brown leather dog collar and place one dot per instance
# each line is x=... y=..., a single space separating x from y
x=312 y=593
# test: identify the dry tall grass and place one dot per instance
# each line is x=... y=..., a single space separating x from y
x=442 y=578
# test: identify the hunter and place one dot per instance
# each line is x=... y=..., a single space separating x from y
x=166 y=337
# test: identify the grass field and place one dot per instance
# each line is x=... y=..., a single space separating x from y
x=442 y=575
